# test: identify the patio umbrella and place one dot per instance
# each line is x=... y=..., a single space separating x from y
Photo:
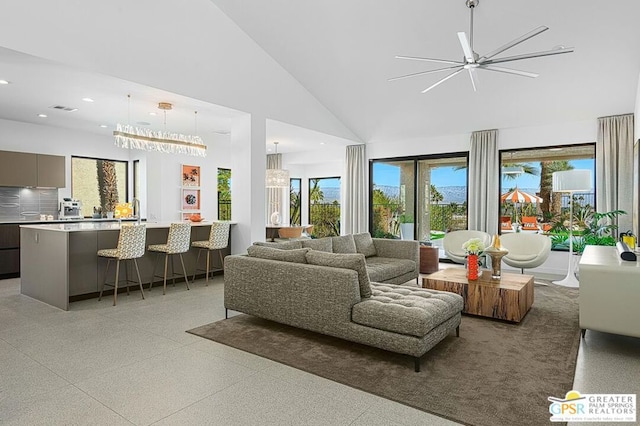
x=516 y=196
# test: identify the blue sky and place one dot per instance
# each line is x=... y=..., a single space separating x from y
x=389 y=175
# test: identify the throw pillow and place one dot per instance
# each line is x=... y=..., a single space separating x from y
x=364 y=244
x=321 y=244
x=353 y=261
x=285 y=245
x=293 y=255
x=343 y=244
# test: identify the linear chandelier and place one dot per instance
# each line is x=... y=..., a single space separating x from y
x=127 y=136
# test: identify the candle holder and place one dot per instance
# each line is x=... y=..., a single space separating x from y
x=496 y=253
x=496 y=262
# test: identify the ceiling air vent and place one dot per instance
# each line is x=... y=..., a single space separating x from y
x=63 y=108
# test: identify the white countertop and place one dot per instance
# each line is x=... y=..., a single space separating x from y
x=102 y=226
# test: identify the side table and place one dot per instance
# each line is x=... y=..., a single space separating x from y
x=429 y=259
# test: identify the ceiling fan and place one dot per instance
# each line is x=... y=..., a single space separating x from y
x=472 y=61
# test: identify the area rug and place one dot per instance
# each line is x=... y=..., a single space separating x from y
x=495 y=373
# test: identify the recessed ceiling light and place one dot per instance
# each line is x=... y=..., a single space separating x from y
x=143 y=123
x=88 y=100
x=4 y=82
x=321 y=143
x=104 y=126
x=153 y=113
x=555 y=149
x=42 y=115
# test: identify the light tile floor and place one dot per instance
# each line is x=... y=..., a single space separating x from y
x=134 y=364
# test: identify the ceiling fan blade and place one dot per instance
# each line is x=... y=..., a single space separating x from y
x=466 y=47
x=439 y=82
x=474 y=78
x=529 y=55
x=440 y=61
x=513 y=43
x=415 y=74
x=508 y=71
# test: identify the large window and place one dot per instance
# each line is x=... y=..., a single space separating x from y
x=98 y=183
x=295 y=201
x=420 y=198
x=324 y=206
x=527 y=201
x=224 y=194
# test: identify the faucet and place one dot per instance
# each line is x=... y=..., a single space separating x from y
x=136 y=209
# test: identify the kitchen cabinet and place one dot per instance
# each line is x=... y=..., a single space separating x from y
x=21 y=169
x=18 y=169
x=9 y=251
x=51 y=171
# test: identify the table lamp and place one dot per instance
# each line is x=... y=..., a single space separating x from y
x=571 y=181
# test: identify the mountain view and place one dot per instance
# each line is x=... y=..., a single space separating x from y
x=451 y=194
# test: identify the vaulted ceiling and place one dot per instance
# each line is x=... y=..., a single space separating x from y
x=343 y=53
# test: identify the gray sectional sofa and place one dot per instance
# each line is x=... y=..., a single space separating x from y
x=388 y=261
x=332 y=293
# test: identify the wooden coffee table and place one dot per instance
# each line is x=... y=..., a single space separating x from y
x=508 y=299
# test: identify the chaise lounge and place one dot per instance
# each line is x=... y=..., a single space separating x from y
x=330 y=293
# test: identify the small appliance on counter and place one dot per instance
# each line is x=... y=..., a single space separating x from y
x=70 y=209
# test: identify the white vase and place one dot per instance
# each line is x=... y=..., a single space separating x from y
x=275 y=218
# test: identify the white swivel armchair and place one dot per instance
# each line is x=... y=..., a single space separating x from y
x=526 y=250
x=454 y=240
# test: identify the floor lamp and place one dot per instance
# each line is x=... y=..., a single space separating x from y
x=571 y=181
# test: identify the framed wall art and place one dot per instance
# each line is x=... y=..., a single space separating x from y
x=190 y=175
x=190 y=199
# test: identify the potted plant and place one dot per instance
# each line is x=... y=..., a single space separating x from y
x=590 y=228
x=406 y=226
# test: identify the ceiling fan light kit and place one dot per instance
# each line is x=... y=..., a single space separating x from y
x=472 y=62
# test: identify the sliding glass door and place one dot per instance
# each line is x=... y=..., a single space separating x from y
x=418 y=198
x=442 y=196
x=393 y=199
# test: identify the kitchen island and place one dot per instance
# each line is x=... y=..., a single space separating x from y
x=59 y=261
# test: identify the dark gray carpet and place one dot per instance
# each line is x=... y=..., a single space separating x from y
x=495 y=373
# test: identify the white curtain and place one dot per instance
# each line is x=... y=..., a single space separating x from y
x=484 y=174
x=614 y=167
x=355 y=200
x=274 y=195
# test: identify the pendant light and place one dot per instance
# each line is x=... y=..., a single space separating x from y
x=277 y=178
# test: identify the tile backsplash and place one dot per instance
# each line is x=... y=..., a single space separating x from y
x=27 y=203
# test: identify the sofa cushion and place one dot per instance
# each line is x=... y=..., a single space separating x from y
x=343 y=244
x=285 y=245
x=386 y=268
x=293 y=255
x=320 y=244
x=364 y=244
x=406 y=310
x=353 y=261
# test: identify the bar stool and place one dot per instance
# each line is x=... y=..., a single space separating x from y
x=218 y=240
x=131 y=242
x=177 y=243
